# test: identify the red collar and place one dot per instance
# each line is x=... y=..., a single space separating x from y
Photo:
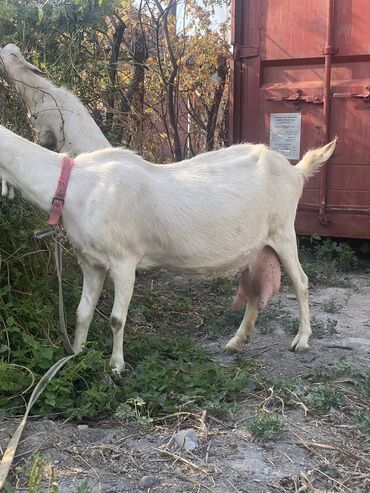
x=58 y=200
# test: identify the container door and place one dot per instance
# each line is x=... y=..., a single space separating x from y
x=278 y=99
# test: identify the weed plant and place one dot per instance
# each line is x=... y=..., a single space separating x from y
x=327 y=261
x=326 y=388
x=265 y=426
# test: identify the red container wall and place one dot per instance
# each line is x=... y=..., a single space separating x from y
x=309 y=58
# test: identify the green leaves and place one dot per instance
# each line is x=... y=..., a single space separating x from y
x=266 y=425
x=176 y=372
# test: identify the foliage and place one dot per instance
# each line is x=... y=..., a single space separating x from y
x=175 y=373
x=132 y=408
x=362 y=419
x=167 y=375
x=326 y=373
x=323 y=390
x=136 y=67
x=323 y=397
x=341 y=254
x=327 y=260
x=266 y=425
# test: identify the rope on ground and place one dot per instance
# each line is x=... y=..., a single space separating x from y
x=8 y=456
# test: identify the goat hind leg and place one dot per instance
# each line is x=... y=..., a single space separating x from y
x=288 y=253
x=123 y=275
x=93 y=279
x=235 y=345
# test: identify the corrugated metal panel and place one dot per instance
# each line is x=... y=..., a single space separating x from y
x=311 y=58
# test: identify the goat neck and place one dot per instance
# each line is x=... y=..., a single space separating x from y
x=57 y=110
x=30 y=168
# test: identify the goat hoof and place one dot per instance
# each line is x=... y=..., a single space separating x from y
x=233 y=347
x=299 y=345
x=77 y=348
x=117 y=368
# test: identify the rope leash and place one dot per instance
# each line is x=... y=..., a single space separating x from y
x=62 y=320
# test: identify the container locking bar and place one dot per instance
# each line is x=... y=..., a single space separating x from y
x=365 y=96
x=297 y=99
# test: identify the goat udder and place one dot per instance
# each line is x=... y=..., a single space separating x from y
x=261 y=282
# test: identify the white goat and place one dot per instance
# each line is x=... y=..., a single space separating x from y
x=61 y=121
x=212 y=215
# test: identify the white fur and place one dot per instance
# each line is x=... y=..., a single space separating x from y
x=61 y=121
x=209 y=215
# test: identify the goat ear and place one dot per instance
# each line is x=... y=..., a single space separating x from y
x=47 y=139
x=33 y=68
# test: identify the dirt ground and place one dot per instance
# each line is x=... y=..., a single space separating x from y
x=312 y=454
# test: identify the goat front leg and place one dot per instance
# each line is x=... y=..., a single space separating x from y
x=243 y=334
x=93 y=280
x=6 y=190
x=288 y=253
x=123 y=275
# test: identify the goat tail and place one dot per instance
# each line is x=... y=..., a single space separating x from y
x=314 y=159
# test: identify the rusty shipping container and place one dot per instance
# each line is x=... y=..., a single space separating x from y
x=300 y=76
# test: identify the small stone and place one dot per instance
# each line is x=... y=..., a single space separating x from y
x=147 y=481
x=187 y=439
x=83 y=427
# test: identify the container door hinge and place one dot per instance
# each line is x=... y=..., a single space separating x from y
x=243 y=51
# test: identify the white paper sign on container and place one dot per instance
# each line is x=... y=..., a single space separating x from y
x=285 y=134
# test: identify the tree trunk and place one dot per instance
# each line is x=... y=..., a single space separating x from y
x=132 y=102
x=112 y=71
x=222 y=71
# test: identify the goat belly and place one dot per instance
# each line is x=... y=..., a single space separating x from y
x=262 y=281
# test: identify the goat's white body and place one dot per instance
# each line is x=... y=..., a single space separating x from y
x=209 y=215
x=194 y=216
